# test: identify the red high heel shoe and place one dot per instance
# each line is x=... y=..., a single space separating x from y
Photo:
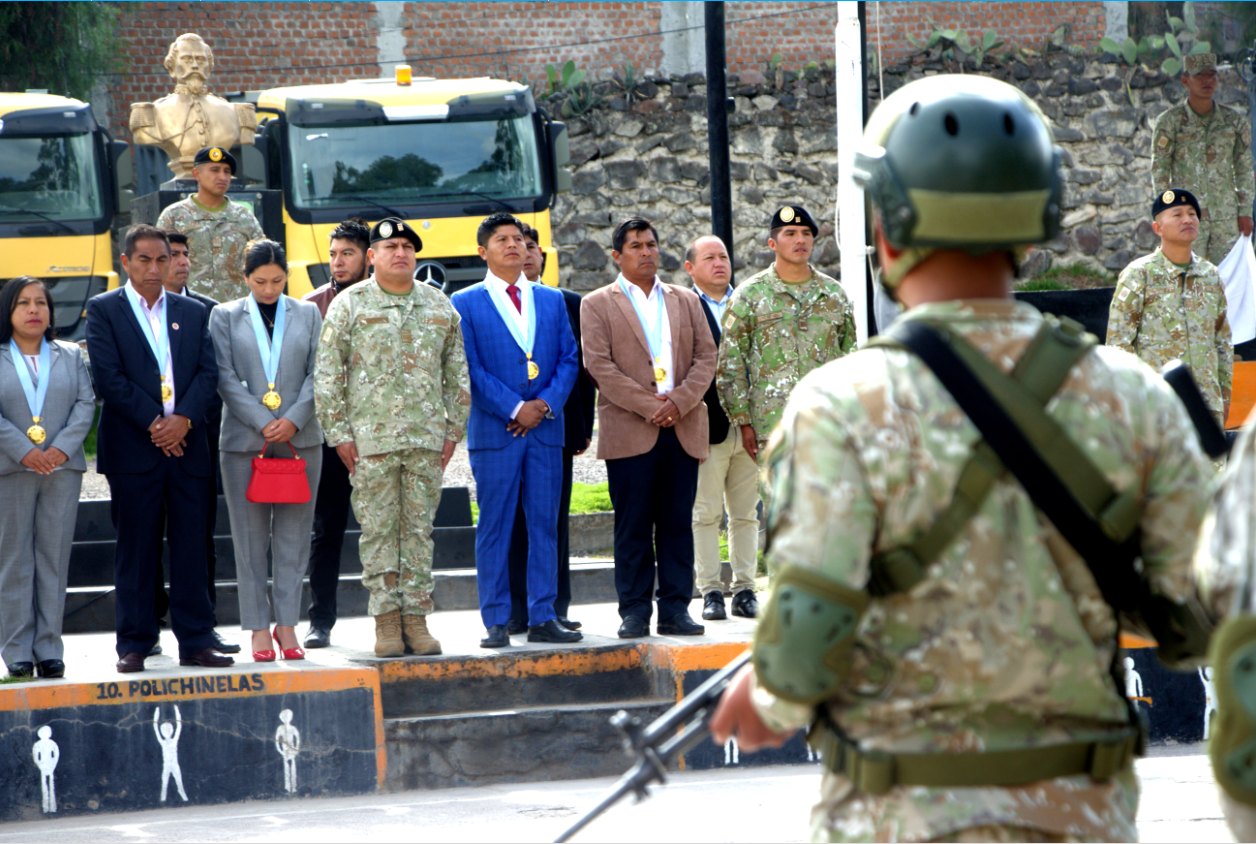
x=288 y=653
x=264 y=656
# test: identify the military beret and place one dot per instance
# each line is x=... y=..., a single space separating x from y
x=391 y=227
x=214 y=155
x=793 y=215
x=1199 y=62
x=1172 y=198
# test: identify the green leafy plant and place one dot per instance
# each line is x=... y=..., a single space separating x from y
x=1165 y=51
x=571 y=86
x=62 y=47
x=953 y=43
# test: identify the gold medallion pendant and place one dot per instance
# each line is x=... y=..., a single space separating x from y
x=167 y=392
x=36 y=433
x=659 y=373
x=533 y=369
x=271 y=399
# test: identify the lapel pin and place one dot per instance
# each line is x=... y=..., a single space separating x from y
x=175 y=326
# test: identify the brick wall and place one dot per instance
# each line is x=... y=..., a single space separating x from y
x=266 y=44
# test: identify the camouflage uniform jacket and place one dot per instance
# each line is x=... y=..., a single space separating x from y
x=391 y=371
x=1161 y=312
x=1007 y=642
x=774 y=333
x=216 y=241
x=1208 y=155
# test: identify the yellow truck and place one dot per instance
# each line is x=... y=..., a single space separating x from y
x=58 y=195
x=439 y=153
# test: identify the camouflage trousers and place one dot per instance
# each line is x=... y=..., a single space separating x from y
x=395 y=496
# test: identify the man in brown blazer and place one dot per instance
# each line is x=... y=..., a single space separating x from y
x=648 y=347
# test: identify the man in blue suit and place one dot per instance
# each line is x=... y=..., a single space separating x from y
x=155 y=372
x=522 y=359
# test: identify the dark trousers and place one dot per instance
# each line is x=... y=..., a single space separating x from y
x=213 y=488
x=331 y=517
x=518 y=558
x=653 y=495
x=143 y=507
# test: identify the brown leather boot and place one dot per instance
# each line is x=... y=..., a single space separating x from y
x=418 y=640
x=388 y=634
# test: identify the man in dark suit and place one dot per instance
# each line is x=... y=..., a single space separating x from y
x=154 y=368
x=729 y=477
x=577 y=435
x=648 y=348
x=176 y=282
x=522 y=360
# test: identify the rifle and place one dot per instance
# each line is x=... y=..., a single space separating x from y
x=658 y=745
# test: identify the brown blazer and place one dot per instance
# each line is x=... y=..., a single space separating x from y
x=618 y=357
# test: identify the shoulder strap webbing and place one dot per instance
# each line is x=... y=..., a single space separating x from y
x=1041 y=370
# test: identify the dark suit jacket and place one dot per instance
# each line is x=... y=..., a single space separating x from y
x=128 y=382
x=716 y=416
x=578 y=411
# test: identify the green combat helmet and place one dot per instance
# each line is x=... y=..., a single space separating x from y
x=960 y=162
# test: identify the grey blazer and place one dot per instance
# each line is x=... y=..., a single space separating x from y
x=241 y=380
x=68 y=409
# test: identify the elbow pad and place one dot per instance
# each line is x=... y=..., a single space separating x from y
x=1232 y=746
x=803 y=644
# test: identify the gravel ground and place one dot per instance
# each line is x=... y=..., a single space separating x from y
x=586 y=470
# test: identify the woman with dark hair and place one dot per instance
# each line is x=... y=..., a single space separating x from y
x=46 y=409
x=265 y=344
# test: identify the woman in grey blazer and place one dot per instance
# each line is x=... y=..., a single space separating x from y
x=46 y=409
x=265 y=344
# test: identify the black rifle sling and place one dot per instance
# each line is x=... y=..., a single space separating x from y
x=1111 y=561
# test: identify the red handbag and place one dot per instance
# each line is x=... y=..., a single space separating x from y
x=278 y=480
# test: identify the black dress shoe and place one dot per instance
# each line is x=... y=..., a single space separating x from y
x=568 y=623
x=680 y=625
x=634 y=627
x=318 y=637
x=744 y=604
x=515 y=627
x=552 y=631
x=49 y=668
x=713 y=606
x=223 y=646
x=496 y=638
x=155 y=650
x=207 y=658
x=21 y=669
x=131 y=662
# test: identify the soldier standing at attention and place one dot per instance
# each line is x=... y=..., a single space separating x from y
x=1170 y=305
x=779 y=325
x=1206 y=149
x=393 y=395
x=968 y=697
x=217 y=229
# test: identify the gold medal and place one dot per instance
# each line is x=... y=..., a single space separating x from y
x=533 y=369
x=36 y=433
x=659 y=374
x=167 y=392
x=270 y=398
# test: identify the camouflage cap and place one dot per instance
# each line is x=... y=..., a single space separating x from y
x=793 y=215
x=1199 y=62
x=391 y=227
x=1172 y=198
x=213 y=155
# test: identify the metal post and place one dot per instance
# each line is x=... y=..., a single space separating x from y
x=717 y=125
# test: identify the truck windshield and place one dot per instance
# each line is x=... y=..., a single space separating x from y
x=408 y=163
x=49 y=178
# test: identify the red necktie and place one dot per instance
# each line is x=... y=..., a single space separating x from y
x=513 y=291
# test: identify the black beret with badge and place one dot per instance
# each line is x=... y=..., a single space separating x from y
x=214 y=155
x=793 y=215
x=1172 y=198
x=391 y=227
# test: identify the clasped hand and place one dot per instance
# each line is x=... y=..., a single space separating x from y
x=169 y=433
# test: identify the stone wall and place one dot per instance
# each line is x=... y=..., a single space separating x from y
x=648 y=156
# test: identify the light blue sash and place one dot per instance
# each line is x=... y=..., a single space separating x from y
x=157 y=342
x=35 y=395
x=268 y=347
x=525 y=340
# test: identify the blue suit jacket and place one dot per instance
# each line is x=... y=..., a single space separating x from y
x=499 y=368
x=128 y=382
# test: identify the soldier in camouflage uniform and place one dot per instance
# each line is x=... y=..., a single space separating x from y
x=217 y=229
x=1170 y=305
x=1005 y=643
x=1206 y=149
x=393 y=396
x=779 y=325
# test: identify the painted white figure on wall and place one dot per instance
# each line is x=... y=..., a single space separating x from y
x=288 y=743
x=732 y=753
x=168 y=737
x=46 y=755
x=1134 y=683
x=1210 y=699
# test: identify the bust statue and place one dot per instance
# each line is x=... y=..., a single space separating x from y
x=191 y=118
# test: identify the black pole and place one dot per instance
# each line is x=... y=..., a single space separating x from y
x=717 y=125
